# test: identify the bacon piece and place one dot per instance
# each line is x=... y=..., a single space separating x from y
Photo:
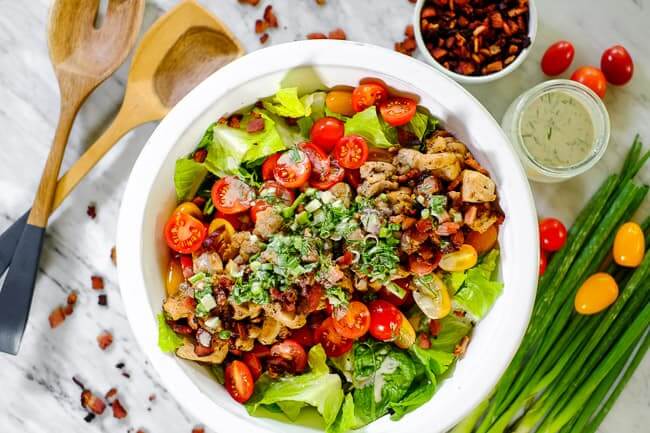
x=104 y=340
x=337 y=33
x=316 y=36
x=200 y=155
x=435 y=326
x=461 y=347
x=92 y=403
x=264 y=38
x=260 y=26
x=198 y=430
x=255 y=125
x=91 y=211
x=56 y=317
x=72 y=298
x=113 y=256
x=269 y=17
x=110 y=395
x=423 y=341
x=250 y=2
x=97 y=282
x=68 y=310
x=118 y=410
x=102 y=300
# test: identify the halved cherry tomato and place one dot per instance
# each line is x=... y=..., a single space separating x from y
x=333 y=342
x=557 y=58
x=616 y=63
x=230 y=195
x=629 y=245
x=261 y=351
x=462 y=259
x=320 y=162
x=398 y=111
x=367 y=95
x=174 y=276
x=335 y=176
x=293 y=352
x=406 y=335
x=597 y=293
x=293 y=169
x=304 y=336
x=351 y=151
x=187 y=265
x=253 y=363
x=483 y=242
x=234 y=219
x=353 y=177
x=340 y=102
x=218 y=223
x=269 y=165
x=385 y=320
x=591 y=77
x=326 y=132
x=552 y=234
x=420 y=266
x=189 y=208
x=239 y=381
x=355 y=322
x=272 y=188
x=184 y=233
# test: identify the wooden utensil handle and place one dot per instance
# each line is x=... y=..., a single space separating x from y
x=46 y=188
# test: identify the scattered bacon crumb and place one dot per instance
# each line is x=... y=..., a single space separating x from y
x=316 y=36
x=152 y=397
x=113 y=256
x=337 y=33
x=423 y=341
x=264 y=38
x=56 y=317
x=260 y=26
x=97 y=282
x=407 y=46
x=118 y=410
x=461 y=347
x=72 y=298
x=68 y=310
x=250 y=2
x=104 y=340
x=91 y=211
x=102 y=300
x=92 y=403
x=198 y=430
x=110 y=395
x=269 y=17
x=255 y=125
x=200 y=155
x=321 y=2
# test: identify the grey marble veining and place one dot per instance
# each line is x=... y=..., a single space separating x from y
x=37 y=394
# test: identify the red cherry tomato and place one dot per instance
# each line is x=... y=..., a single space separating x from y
x=591 y=77
x=353 y=177
x=304 y=336
x=557 y=58
x=261 y=351
x=187 y=265
x=293 y=169
x=333 y=342
x=253 y=363
x=398 y=111
x=258 y=206
x=184 y=233
x=420 y=266
x=326 y=132
x=355 y=322
x=269 y=166
x=385 y=320
x=543 y=261
x=351 y=151
x=239 y=381
x=335 y=176
x=320 y=162
x=552 y=234
x=367 y=95
x=234 y=219
x=230 y=195
x=616 y=63
x=293 y=352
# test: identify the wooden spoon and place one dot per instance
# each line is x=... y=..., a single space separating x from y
x=83 y=57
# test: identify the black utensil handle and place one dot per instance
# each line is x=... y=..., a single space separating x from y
x=8 y=241
x=18 y=289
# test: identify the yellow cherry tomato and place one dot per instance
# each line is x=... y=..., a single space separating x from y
x=189 y=208
x=432 y=296
x=217 y=223
x=629 y=245
x=461 y=260
x=340 y=102
x=174 y=276
x=597 y=293
x=406 y=336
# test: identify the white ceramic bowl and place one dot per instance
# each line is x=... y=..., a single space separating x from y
x=471 y=79
x=150 y=197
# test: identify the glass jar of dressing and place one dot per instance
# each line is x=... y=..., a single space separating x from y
x=559 y=128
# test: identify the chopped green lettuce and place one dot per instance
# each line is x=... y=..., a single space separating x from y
x=188 y=176
x=419 y=393
x=480 y=289
x=286 y=103
x=346 y=420
x=452 y=330
x=436 y=362
x=318 y=388
x=454 y=281
x=168 y=340
x=418 y=124
x=367 y=124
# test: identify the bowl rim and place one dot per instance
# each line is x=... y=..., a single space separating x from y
x=156 y=151
x=471 y=79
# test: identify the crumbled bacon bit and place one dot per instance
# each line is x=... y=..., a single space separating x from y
x=250 y=2
x=447 y=228
x=264 y=38
x=91 y=211
x=110 y=395
x=68 y=310
x=104 y=340
x=102 y=300
x=255 y=125
x=337 y=33
x=72 y=298
x=56 y=317
x=92 y=403
x=461 y=347
x=113 y=256
x=198 y=430
x=200 y=155
x=316 y=36
x=234 y=121
x=152 y=397
x=423 y=341
x=435 y=326
x=269 y=17
x=408 y=45
x=118 y=410
x=260 y=26
x=97 y=282
x=199 y=201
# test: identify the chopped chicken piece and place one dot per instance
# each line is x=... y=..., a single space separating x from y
x=477 y=187
x=371 y=189
x=406 y=159
x=269 y=221
x=446 y=144
x=401 y=201
x=289 y=319
x=245 y=311
x=375 y=171
x=179 y=306
x=342 y=191
x=186 y=351
x=270 y=330
x=483 y=222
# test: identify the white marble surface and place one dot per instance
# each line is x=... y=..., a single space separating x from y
x=37 y=394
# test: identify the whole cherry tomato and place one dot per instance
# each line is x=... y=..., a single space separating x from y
x=385 y=320
x=591 y=77
x=617 y=65
x=326 y=132
x=340 y=102
x=552 y=234
x=557 y=58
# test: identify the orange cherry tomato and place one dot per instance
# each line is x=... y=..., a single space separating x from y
x=184 y=233
x=597 y=293
x=461 y=260
x=629 y=245
x=483 y=242
x=334 y=343
x=239 y=381
x=591 y=77
x=340 y=102
x=231 y=195
x=189 y=208
x=398 y=111
x=367 y=95
x=351 y=151
x=406 y=336
x=293 y=169
x=269 y=165
x=355 y=322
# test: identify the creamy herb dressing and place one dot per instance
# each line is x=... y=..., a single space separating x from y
x=557 y=130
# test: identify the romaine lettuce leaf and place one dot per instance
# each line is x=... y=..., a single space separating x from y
x=435 y=361
x=286 y=103
x=367 y=124
x=452 y=330
x=454 y=281
x=188 y=176
x=420 y=393
x=168 y=340
x=480 y=290
x=422 y=124
x=345 y=420
x=318 y=388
